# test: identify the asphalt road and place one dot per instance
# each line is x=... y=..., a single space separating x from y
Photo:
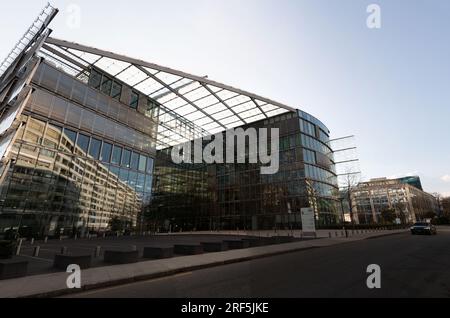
x=411 y=266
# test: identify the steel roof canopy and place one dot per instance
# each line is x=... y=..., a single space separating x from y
x=208 y=104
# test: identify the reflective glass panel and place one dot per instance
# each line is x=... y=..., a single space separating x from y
x=116 y=91
x=134 y=100
x=142 y=161
x=134 y=161
x=106 y=85
x=126 y=158
x=95 y=79
x=83 y=142
x=117 y=154
x=106 y=152
x=149 y=165
x=94 y=149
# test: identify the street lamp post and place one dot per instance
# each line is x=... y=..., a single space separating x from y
x=343 y=217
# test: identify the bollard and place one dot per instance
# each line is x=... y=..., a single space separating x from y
x=104 y=235
x=32 y=241
x=60 y=238
x=329 y=234
x=336 y=234
x=75 y=237
x=133 y=248
x=36 y=251
x=342 y=233
x=19 y=246
x=46 y=239
x=64 y=250
x=97 y=251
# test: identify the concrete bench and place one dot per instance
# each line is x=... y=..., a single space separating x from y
x=255 y=242
x=121 y=257
x=158 y=252
x=13 y=269
x=188 y=249
x=214 y=246
x=283 y=239
x=237 y=244
x=62 y=261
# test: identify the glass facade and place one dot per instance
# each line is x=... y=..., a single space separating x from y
x=84 y=152
x=80 y=158
x=237 y=196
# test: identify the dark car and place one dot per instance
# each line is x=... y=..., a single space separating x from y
x=423 y=228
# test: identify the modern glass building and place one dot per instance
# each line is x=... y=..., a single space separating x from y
x=86 y=135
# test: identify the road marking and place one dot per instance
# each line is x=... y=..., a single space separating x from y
x=134 y=283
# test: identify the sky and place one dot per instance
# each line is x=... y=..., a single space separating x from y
x=388 y=86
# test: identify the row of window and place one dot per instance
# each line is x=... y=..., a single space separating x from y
x=320 y=174
x=77 y=116
x=314 y=144
x=113 y=88
x=312 y=119
x=307 y=128
x=108 y=153
x=309 y=156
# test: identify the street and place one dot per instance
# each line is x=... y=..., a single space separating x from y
x=411 y=266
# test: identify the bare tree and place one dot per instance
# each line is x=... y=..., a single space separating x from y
x=348 y=184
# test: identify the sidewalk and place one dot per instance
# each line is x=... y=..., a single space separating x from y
x=50 y=285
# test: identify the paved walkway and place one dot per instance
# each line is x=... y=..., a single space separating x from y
x=54 y=284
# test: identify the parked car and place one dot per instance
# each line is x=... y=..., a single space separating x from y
x=423 y=228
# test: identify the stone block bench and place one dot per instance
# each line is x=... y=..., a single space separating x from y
x=121 y=257
x=158 y=252
x=214 y=246
x=237 y=244
x=255 y=242
x=62 y=261
x=13 y=269
x=284 y=239
x=188 y=249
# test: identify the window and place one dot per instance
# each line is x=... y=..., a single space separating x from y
x=83 y=142
x=71 y=135
x=126 y=158
x=142 y=161
x=152 y=109
x=116 y=90
x=106 y=85
x=94 y=149
x=140 y=183
x=132 y=179
x=95 y=79
x=134 y=161
x=134 y=100
x=149 y=165
x=117 y=155
x=309 y=156
x=123 y=175
x=106 y=152
x=148 y=184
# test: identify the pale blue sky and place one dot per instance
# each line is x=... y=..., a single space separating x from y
x=390 y=87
